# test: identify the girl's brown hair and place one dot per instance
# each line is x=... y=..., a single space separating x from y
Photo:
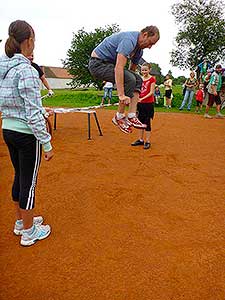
x=146 y=64
x=19 y=31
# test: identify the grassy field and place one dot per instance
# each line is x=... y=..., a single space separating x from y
x=91 y=97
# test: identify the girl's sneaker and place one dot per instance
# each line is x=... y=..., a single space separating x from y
x=147 y=145
x=18 y=227
x=138 y=143
x=39 y=233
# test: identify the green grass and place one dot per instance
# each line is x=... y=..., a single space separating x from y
x=74 y=98
x=91 y=97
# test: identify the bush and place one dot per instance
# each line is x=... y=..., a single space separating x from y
x=177 y=99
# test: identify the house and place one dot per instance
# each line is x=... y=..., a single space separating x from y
x=153 y=72
x=58 y=78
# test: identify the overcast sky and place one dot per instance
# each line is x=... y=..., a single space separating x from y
x=55 y=21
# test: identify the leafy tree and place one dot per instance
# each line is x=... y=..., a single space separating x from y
x=78 y=55
x=179 y=80
x=157 y=72
x=201 y=34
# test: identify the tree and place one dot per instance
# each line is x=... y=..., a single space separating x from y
x=201 y=34
x=78 y=55
x=157 y=72
x=179 y=80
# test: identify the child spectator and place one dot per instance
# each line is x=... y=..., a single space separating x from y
x=108 y=88
x=157 y=94
x=199 y=96
x=41 y=75
x=168 y=90
x=145 y=106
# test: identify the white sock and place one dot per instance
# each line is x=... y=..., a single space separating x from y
x=120 y=115
x=131 y=115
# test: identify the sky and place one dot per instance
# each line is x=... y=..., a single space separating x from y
x=54 y=23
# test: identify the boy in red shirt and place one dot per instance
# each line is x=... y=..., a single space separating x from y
x=199 y=96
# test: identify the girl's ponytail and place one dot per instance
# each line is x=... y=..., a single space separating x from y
x=19 y=31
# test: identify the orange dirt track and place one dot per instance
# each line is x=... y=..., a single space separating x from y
x=127 y=223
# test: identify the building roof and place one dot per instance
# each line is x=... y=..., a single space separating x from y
x=56 y=72
x=153 y=72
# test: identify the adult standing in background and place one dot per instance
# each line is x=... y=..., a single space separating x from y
x=108 y=61
x=190 y=84
x=202 y=69
x=214 y=88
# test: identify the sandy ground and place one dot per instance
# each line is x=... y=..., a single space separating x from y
x=127 y=223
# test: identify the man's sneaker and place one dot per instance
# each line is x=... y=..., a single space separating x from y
x=138 y=143
x=147 y=145
x=39 y=233
x=219 y=115
x=136 y=123
x=207 y=116
x=122 y=124
x=18 y=228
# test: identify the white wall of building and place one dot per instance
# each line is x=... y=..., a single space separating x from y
x=57 y=83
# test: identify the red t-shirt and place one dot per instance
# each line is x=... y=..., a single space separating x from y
x=199 y=95
x=145 y=89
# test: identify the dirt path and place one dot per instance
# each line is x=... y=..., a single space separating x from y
x=127 y=223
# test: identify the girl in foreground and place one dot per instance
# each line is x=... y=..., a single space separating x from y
x=145 y=106
x=24 y=129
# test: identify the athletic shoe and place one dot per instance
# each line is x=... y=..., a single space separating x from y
x=219 y=115
x=138 y=143
x=39 y=233
x=207 y=116
x=147 y=145
x=122 y=124
x=19 y=228
x=136 y=123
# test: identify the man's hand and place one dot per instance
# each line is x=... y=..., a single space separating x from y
x=124 y=99
x=50 y=93
x=49 y=111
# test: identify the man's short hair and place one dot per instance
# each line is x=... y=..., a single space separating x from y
x=151 y=30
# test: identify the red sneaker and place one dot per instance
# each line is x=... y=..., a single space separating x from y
x=136 y=123
x=122 y=124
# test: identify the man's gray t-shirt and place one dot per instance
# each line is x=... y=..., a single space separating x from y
x=124 y=43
